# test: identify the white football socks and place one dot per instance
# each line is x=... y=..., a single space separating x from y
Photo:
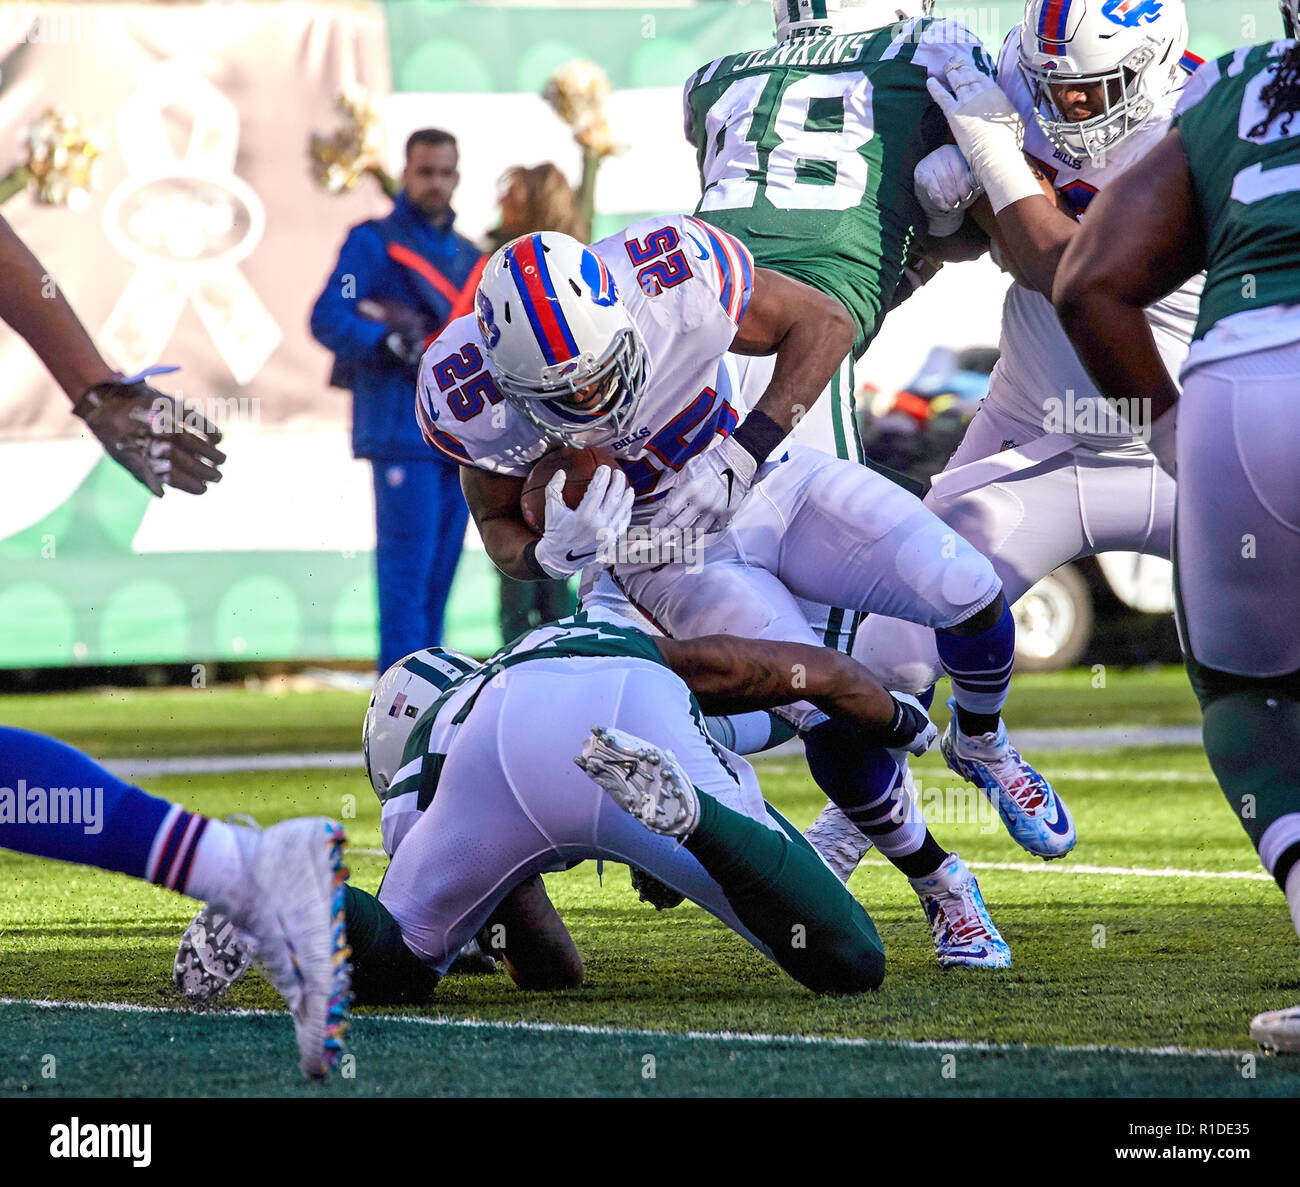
x=217 y=869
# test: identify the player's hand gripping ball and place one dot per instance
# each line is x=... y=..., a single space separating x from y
x=579 y=466
x=582 y=515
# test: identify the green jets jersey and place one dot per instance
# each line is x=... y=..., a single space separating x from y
x=1247 y=184
x=807 y=148
x=574 y=637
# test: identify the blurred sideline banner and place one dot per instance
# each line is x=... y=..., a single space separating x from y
x=206 y=242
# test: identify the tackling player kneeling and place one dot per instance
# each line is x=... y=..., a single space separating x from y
x=481 y=794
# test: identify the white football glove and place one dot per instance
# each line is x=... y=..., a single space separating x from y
x=924 y=739
x=988 y=130
x=946 y=189
x=708 y=489
x=575 y=538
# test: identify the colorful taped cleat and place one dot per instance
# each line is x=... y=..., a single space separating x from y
x=1278 y=1030
x=964 y=935
x=645 y=781
x=288 y=915
x=1035 y=816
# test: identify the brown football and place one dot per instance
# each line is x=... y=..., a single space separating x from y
x=578 y=464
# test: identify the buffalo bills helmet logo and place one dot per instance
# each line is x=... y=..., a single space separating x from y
x=597 y=278
x=487 y=325
x=1131 y=13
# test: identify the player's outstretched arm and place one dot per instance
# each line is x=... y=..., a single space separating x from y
x=733 y=675
x=1141 y=240
x=36 y=309
x=153 y=435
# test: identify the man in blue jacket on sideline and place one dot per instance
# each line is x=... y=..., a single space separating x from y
x=397 y=282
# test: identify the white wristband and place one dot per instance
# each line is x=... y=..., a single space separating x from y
x=1008 y=181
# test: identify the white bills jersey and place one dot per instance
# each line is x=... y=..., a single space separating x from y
x=685 y=286
x=1039 y=379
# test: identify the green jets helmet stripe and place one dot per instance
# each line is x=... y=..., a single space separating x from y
x=1248 y=188
x=580 y=635
x=807 y=150
x=420 y=668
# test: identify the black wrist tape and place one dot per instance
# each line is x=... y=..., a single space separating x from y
x=533 y=565
x=758 y=434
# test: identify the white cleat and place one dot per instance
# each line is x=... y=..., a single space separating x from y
x=1278 y=1030
x=287 y=914
x=646 y=782
x=964 y=934
x=838 y=841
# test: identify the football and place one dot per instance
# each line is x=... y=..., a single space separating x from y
x=579 y=464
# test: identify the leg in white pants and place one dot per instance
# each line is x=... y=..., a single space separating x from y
x=1073 y=505
x=511 y=803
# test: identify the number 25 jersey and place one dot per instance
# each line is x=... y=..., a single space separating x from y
x=685 y=286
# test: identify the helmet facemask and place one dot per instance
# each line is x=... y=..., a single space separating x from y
x=551 y=401
x=1124 y=105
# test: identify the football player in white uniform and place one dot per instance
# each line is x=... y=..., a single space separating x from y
x=621 y=345
x=807 y=151
x=1049 y=471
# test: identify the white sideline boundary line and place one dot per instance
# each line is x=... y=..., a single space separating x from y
x=1042 y=867
x=1028 y=867
x=1100 y=737
x=721 y=1036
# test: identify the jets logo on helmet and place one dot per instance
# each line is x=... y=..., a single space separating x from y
x=564 y=350
x=1097 y=69
x=803 y=18
x=399 y=700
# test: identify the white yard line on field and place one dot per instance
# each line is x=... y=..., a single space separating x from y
x=1032 y=867
x=1042 y=740
x=1055 y=867
x=718 y=1036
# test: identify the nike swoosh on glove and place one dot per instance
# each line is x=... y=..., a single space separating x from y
x=988 y=130
x=575 y=538
x=913 y=720
x=946 y=189
x=708 y=489
x=160 y=439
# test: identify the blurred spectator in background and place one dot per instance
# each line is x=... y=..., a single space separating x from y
x=397 y=282
x=536 y=199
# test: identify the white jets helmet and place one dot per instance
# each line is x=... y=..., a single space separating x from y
x=565 y=352
x=1129 y=51
x=402 y=694
x=798 y=18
